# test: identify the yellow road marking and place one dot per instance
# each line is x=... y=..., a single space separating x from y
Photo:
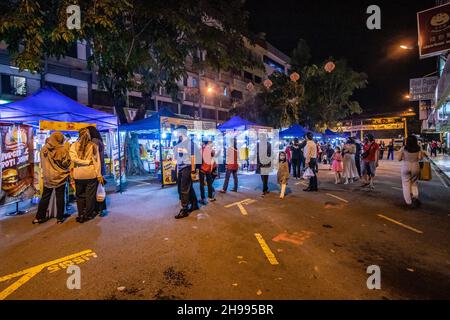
x=332 y=195
x=269 y=254
x=400 y=224
x=29 y=273
x=240 y=205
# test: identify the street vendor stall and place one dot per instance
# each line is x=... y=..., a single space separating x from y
x=150 y=143
x=245 y=133
x=47 y=110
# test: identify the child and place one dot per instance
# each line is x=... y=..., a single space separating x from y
x=283 y=173
x=337 y=165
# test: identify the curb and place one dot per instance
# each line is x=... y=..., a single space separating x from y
x=439 y=170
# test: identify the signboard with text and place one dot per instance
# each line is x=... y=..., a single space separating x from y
x=434 y=31
x=17 y=163
x=422 y=88
x=63 y=126
x=369 y=127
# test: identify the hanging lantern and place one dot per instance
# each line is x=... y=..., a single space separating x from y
x=295 y=76
x=330 y=66
x=250 y=86
x=267 y=83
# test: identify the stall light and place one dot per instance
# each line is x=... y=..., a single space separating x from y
x=4 y=101
x=164 y=135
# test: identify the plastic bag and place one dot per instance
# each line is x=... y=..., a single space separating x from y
x=308 y=173
x=101 y=193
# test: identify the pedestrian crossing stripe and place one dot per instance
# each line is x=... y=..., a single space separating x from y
x=27 y=274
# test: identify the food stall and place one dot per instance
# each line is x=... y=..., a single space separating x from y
x=33 y=118
x=152 y=139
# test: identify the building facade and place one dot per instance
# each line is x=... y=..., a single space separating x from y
x=208 y=94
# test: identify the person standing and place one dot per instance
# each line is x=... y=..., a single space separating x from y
x=390 y=155
x=296 y=159
x=382 y=148
x=358 y=156
x=370 y=159
x=264 y=163
x=206 y=172
x=434 y=148
x=350 y=173
x=55 y=166
x=100 y=207
x=336 y=159
x=288 y=152
x=330 y=153
x=231 y=167
x=410 y=155
x=283 y=173
x=310 y=153
x=87 y=174
x=185 y=167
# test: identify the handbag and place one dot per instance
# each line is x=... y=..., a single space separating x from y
x=101 y=193
x=425 y=171
x=308 y=173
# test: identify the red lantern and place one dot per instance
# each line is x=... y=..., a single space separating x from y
x=250 y=86
x=267 y=83
x=295 y=76
x=329 y=67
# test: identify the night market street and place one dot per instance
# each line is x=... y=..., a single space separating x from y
x=307 y=246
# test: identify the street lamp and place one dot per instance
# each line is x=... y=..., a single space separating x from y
x=404 y=47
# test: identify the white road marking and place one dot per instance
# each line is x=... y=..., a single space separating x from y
x=440 y=178
x=339 y=198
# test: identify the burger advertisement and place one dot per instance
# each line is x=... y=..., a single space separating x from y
x=434 y=31
x=16 y=163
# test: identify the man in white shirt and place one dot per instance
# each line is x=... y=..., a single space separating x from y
x=310 y=152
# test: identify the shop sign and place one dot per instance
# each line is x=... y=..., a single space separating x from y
x=63 y=126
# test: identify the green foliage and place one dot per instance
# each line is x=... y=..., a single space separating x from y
x=328 y=95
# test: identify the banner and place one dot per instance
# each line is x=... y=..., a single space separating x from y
x=169 y=172
x=390 y=126
x=173 y=123
x=434 y=31
x=63 y=126
x=16 y=163
x=422 y=88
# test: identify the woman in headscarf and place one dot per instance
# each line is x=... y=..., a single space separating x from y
x=96 y=137
x=87 y=174
x=55 y=164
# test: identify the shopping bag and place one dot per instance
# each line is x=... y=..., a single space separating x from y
x=308 y=173
x=425 y=171
x=101 y=193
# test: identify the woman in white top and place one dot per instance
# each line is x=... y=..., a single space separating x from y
x=87 y=174
x=410 y=156
x=350 y=173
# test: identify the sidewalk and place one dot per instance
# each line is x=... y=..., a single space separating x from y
x=442 y=162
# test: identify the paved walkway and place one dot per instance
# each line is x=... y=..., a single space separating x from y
x=443 y=163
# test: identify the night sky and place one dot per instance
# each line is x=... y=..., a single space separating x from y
x=338 y=29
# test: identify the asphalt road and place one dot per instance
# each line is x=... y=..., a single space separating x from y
x=307 y=246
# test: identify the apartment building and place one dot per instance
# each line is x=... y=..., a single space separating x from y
x=208 y=94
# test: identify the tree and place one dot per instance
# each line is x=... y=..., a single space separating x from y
x=277 y=106
x=328 y=94
x=301 y=56
x=128 y=37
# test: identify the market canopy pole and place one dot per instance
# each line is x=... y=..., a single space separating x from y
x=120 y=160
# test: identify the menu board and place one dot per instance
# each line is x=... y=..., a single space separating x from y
x=16 y=163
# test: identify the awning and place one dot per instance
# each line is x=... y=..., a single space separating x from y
x=296 y=131
x=51 y=105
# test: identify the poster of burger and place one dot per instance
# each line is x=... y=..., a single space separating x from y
x=16 y=163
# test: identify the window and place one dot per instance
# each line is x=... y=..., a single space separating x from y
x=225 y=91
x=189 y=110
x=248 y=76
x=101 y=98
x=223 y=115
x=195 y=82
x=72 y=51
x=185 y=81
x=13 y=85
x=209 y=113
x=236 y=94
x=277 y=66
x=258 y=79
x=67 y=90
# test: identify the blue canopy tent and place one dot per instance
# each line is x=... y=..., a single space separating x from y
x=150 y=123
x=295 y=131
x=333 y=135
x=51 y=105
x=237 y=123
